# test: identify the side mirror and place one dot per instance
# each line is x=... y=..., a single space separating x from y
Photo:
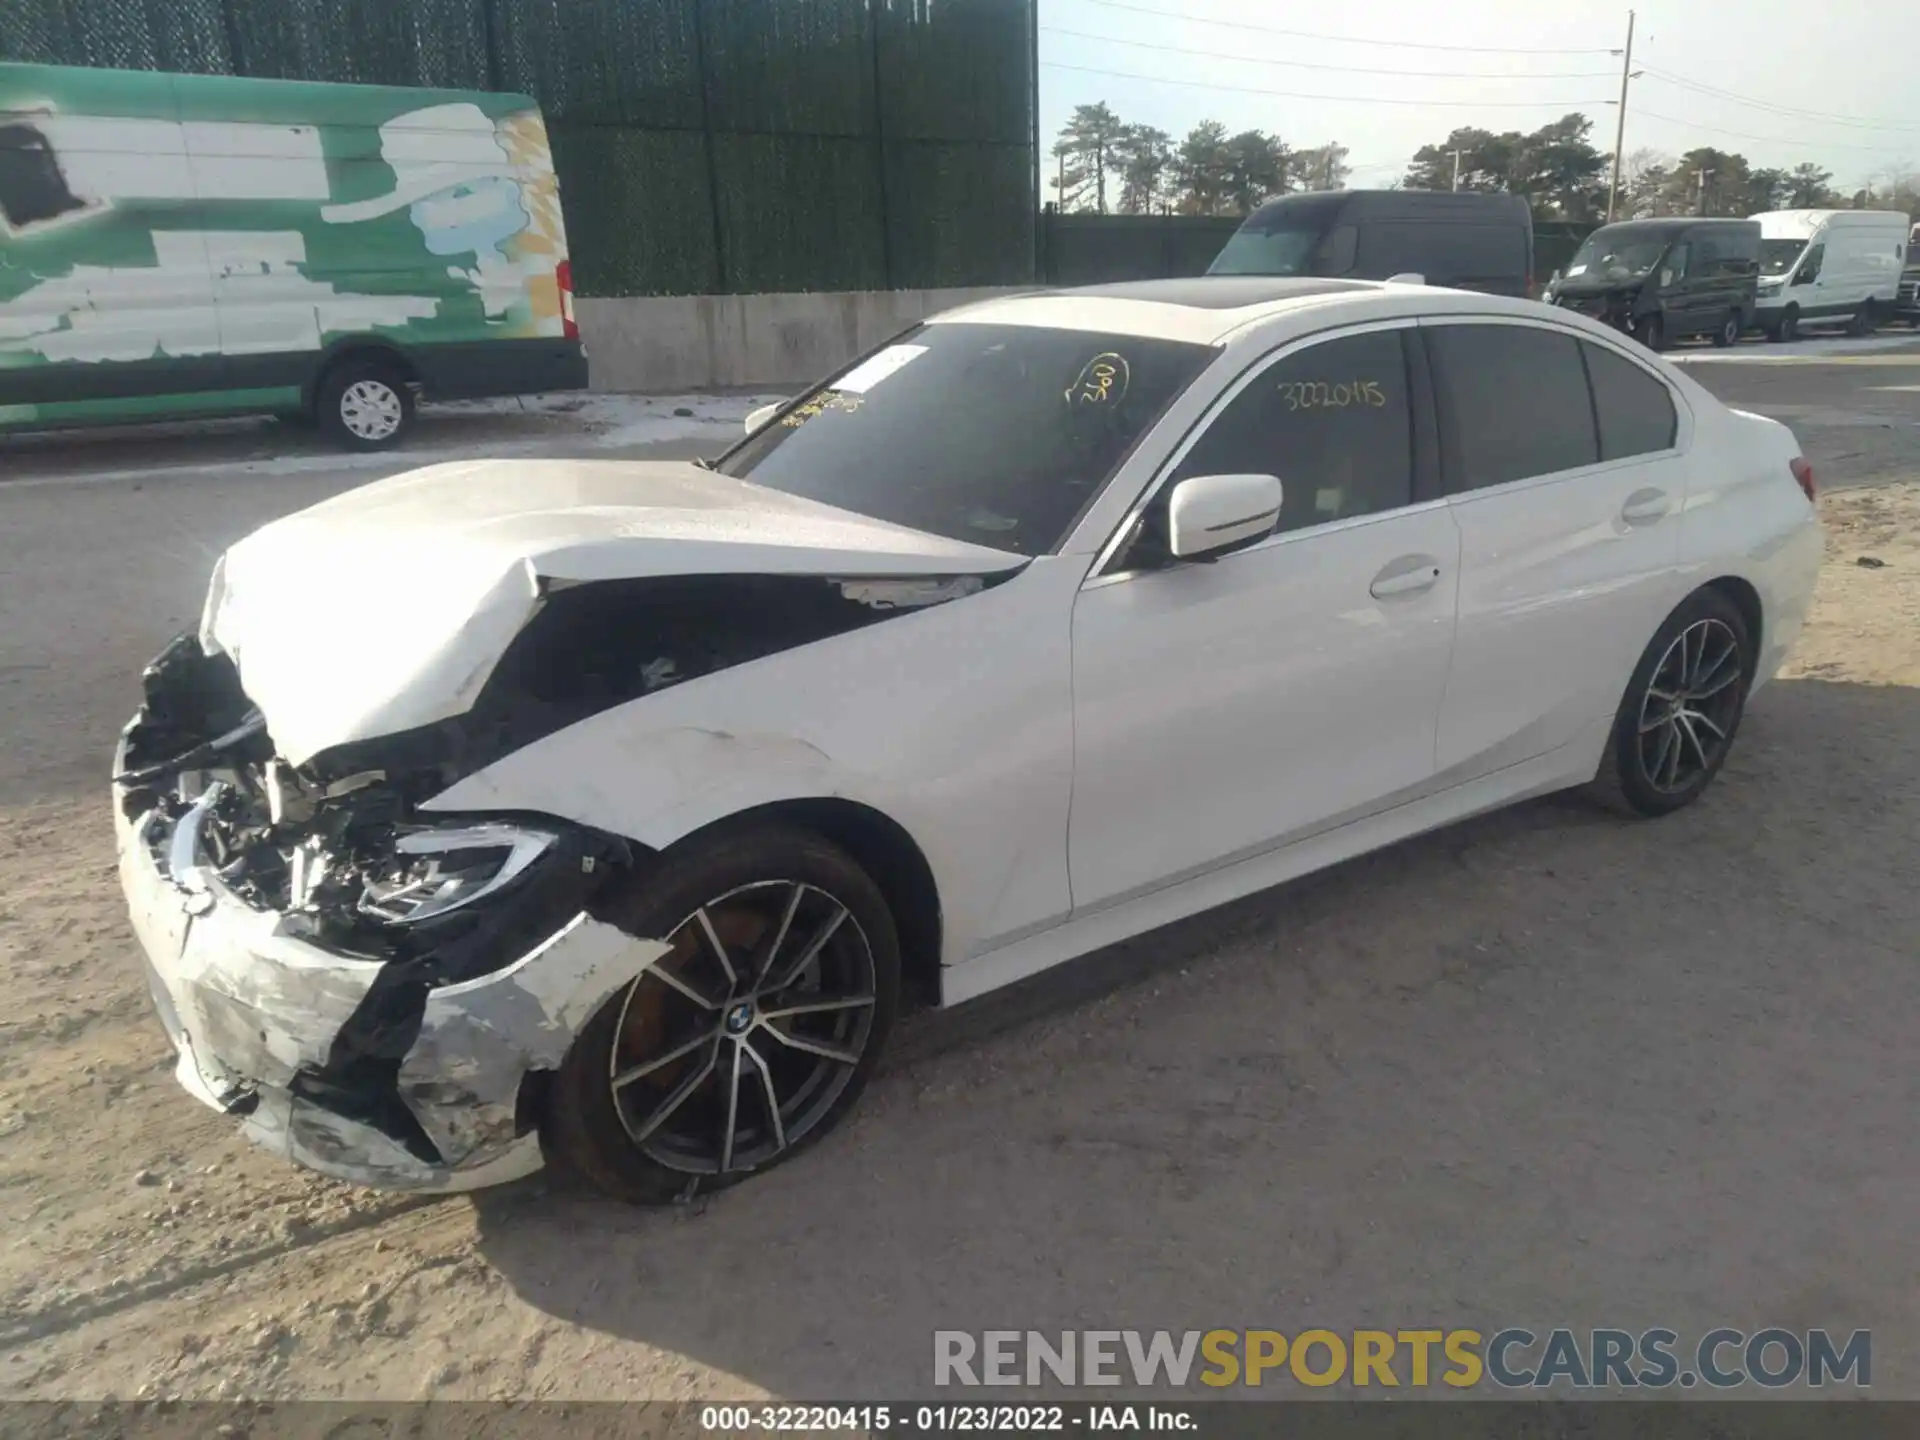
x=1666 y=278
x=1556 y=278
x=763 y=415
x=1208 y=515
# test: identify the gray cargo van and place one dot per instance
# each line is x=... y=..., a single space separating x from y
x=1467 y=241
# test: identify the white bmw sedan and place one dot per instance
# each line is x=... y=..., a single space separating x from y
x=604 y=812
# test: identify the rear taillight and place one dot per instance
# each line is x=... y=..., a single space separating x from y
x=563 y=276
x=1803 y=473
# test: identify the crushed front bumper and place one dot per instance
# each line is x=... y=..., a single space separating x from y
x=257 y=1012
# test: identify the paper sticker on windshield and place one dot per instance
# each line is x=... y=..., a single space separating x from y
x=870 y=372
x=1103 y=381
x=1573 y=270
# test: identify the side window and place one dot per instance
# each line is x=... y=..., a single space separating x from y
x=1706 y=256
x=1810 y=265
x=1513 y=403
x=1388 y=247
x=1332 y=421
x=1676 y=262
x=1635 y=410
x=1336 y=250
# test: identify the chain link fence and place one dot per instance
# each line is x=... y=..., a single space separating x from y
x=703 y=146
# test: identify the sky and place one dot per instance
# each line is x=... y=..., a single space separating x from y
x=1821 y=82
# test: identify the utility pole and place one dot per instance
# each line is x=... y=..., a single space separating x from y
x=1706 y=173
x=1456 y=169
x=1620 y=131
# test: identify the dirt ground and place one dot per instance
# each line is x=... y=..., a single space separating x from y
x=1476 y=1075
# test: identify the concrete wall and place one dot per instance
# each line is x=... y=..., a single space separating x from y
x=670 y=343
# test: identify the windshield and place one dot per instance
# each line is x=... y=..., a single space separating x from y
x=1267 y=252
x=1777 y=256
x=1612 y=254
x=993 y=434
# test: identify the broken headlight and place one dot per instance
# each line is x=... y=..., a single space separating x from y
x=434 y=871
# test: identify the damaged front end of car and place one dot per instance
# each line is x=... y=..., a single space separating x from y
x=378 y=985
x=378 y=990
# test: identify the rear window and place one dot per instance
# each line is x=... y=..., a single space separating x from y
x=993 y=434
x=1513 y=403
x=1635 y=410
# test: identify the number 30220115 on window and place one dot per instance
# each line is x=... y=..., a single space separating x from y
x=1329 y=395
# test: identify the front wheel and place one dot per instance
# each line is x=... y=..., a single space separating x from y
x=750 y=1039
x=1682 y=708
x=1790 y=324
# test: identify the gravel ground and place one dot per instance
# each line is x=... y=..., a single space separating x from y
x=1546 y=1068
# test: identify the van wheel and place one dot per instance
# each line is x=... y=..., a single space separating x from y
x=1729 y=331
x=1861 y=323
x=1653 y=333
x=1789 y=325
x=365 y=404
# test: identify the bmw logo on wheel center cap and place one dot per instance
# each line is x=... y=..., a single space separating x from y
x=740 y=1018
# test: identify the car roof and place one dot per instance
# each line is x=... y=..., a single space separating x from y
x=1681 y=222
x=1205 y=309
x=1220 y=292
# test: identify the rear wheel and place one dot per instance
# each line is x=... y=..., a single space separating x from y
x=364 y=404
x=1729 y=331
x=747 y=1041
x=1863 y=321
x=1676 y=724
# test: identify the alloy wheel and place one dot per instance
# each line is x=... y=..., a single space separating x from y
x=371 y=410
x=735 y=1044
x=1690 y=707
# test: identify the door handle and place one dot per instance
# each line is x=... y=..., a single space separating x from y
x=1643 y=507
x=1407 y=576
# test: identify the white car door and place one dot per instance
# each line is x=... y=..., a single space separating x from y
x=1565 y=462
x=1225 y=708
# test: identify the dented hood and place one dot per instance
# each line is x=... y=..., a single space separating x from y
x=386 y=608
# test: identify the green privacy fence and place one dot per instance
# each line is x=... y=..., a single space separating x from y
x=703 y=146
x=1078 y=249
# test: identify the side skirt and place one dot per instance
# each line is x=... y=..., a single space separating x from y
x=1572 y=764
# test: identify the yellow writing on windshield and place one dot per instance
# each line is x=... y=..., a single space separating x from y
x=1103 y=381
x=1332 y=395
x=820 y=405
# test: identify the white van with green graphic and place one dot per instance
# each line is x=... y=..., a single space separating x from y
x=177 y=245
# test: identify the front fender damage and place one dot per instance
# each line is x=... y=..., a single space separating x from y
x=463 y=1078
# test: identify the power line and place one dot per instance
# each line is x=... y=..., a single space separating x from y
x=1340 y=39
x=1789 y=111
x=1562 y=105
x=1773 y=139
x=1309 y=65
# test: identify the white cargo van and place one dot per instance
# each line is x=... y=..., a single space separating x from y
x=1829 y=266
